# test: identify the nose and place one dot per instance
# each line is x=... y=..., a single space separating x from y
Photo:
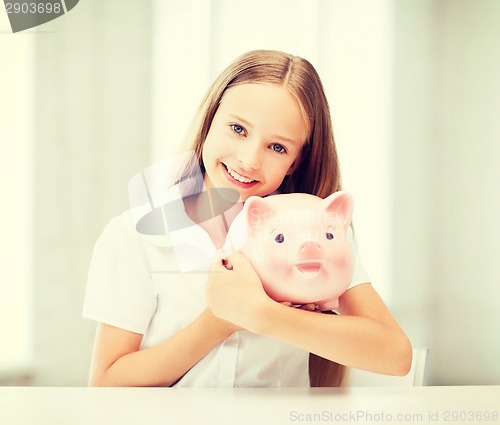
x=310 y=251
x=249 y=156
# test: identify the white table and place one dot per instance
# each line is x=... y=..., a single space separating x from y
x=256 y=406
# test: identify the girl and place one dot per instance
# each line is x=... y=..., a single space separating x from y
x=264 y=126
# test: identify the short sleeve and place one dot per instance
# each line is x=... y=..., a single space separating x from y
x=119 y=287
x=360 y=274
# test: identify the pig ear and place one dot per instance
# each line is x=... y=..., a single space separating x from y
x=341 y=204
x=257 y=211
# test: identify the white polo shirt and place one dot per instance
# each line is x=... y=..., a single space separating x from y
x=135 y=284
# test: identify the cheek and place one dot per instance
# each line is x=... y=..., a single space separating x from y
x=341 y=258
x=288 y=166
x=210 y=149
x=277 y=262
x=276 y=171
x=216 y=145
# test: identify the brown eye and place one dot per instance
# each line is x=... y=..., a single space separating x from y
x=279 y=238
x=329 y=236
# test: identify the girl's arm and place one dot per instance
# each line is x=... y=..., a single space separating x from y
x=365 y=336
x=117 y=360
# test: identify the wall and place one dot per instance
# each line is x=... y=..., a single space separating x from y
x=16 y=164
x=414 y=160
x=93 y=102
x=446 y=192
x=465 y=269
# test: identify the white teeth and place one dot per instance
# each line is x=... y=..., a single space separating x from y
x=238 y=177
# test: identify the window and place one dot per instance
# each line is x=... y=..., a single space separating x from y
x=352 y=50
x=16 y=128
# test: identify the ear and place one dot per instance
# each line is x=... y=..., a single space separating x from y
x=257 y=212
x=340 y=203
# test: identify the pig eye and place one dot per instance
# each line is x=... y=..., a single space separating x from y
x=329 y=234
x=279 y=238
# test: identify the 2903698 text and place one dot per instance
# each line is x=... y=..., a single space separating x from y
x=33 y=8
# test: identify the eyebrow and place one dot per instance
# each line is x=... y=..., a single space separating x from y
x=275 y=136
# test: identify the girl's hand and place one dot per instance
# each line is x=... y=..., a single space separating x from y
x=235 y=293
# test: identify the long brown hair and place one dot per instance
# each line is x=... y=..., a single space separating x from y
x=317 y=170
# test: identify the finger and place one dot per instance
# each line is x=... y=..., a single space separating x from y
x=308 y=307
x=239 y=261
x=218 y=266
x=227 y=264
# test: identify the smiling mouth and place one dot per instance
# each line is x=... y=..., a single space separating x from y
x=309 y=269
x=238 y=177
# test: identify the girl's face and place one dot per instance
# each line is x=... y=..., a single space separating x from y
x=256 y=136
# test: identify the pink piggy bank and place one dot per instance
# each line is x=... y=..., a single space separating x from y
x=298 y=244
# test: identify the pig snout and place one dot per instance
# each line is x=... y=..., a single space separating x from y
x=310 y=251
